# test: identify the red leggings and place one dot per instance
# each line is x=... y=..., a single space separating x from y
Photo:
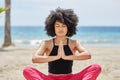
x=89 y=73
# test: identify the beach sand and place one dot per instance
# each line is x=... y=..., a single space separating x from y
x=14 y=59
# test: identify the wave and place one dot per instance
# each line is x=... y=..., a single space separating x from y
x=86 y=42
x=28 y=42
x=37 y=42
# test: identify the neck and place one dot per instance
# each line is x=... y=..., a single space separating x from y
x=58 y=39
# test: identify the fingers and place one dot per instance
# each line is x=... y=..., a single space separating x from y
x=60 y=49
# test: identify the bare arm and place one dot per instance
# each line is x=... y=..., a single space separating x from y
x=82 y=55
x=39 y=57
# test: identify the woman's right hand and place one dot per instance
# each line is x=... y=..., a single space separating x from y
x=60 y=46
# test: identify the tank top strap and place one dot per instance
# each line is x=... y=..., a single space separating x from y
x=67 y=41
x=53 y=41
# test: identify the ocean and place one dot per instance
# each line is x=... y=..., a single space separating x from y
x=91 y=35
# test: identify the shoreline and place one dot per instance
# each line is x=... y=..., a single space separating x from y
x=87 y=45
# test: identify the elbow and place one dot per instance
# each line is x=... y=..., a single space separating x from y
x=89 y=56
x=34 y=60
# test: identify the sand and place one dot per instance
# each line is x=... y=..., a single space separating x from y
x=14 y=59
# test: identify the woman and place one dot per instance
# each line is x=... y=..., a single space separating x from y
x=60 y=51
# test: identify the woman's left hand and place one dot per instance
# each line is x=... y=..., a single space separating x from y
x=61 y=49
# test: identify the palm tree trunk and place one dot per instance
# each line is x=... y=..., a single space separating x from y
x=7 y=37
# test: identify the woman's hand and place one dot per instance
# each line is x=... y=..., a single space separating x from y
x=61 y=52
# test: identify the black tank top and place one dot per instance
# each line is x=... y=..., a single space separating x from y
x=60 y=66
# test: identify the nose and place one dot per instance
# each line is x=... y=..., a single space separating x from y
x=60 y=28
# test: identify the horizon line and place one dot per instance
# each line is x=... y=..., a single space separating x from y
x=77 y=26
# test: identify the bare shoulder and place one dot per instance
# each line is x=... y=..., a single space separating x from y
x=75 y=42
x=48 y=42
x=72 y=41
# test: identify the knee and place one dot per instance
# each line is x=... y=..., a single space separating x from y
x=27 y=70
x=96 y=67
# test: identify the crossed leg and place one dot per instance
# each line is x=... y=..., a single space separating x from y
x=31 y=73
x=89 y=73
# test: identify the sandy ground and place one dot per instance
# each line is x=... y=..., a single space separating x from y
x=14 y=59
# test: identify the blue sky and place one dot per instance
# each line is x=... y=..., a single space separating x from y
x=90 y=12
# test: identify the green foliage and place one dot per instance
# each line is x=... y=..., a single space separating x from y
x=2 y=10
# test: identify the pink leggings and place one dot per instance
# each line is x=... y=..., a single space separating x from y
x=89 y=73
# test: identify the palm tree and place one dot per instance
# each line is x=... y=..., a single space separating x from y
x=3 y=9
x=7 y=38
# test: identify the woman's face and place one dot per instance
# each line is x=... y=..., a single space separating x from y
x=60 y=29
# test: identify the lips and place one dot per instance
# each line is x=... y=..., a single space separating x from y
x=60 y=31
